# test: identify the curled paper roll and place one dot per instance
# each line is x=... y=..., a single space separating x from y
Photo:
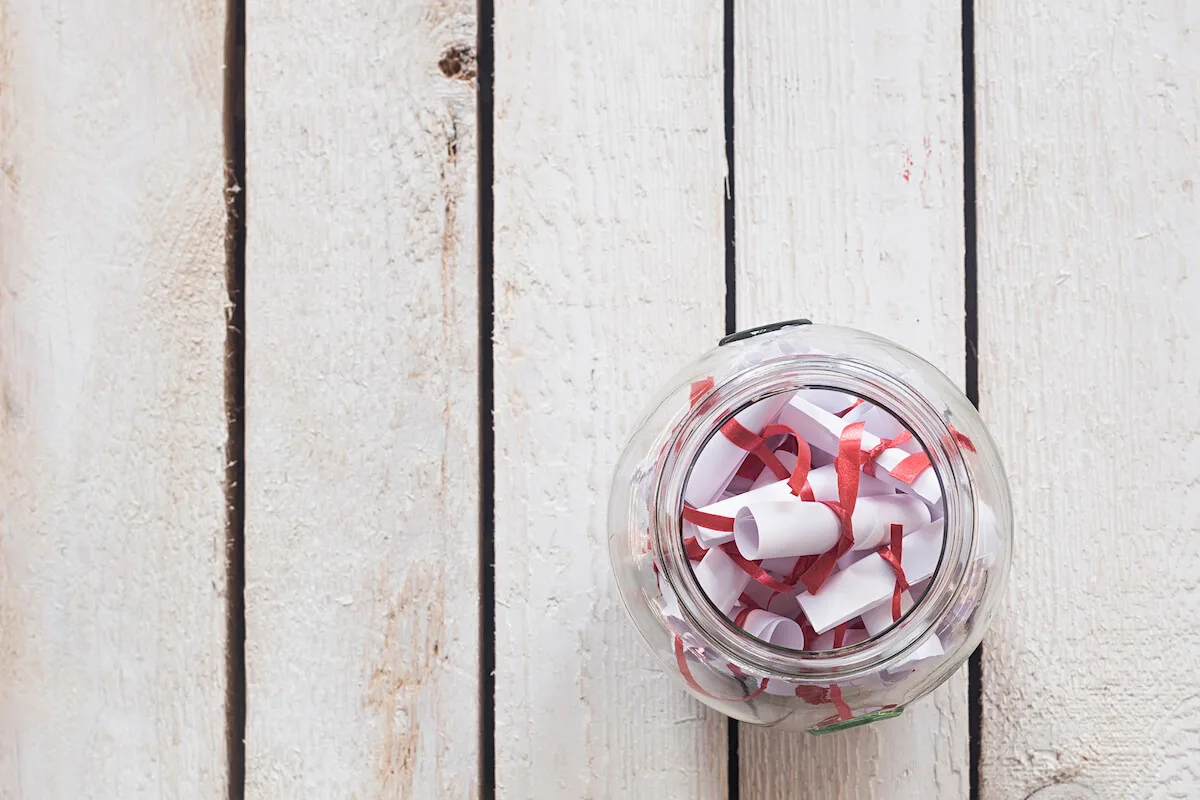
x=709 y=537
x=795 y=527
x=785 y=528
x=774 y=629
x=863 y=585
x=721 y=579
x=823 y=431
x=823 y=482
x=720 y=458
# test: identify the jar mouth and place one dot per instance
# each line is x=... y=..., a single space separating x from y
x=853 y=377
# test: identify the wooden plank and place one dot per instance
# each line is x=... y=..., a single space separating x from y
x=112 y=420
x=362 y=400
x=609 y=277
x=848 y=135
x=1089 y=123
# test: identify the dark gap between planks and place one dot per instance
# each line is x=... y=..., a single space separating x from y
x=485 y=103
x=971 y=346
x=234 y=131
x=734 y=773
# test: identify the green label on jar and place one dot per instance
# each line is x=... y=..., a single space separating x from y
x=854 y=722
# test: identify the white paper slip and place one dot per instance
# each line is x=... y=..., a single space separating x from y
x=869 y=582
x=823 y=431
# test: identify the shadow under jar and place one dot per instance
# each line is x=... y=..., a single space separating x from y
x=720 y=662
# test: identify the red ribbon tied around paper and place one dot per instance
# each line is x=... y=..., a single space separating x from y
x=891 y=553
x=911 y=467
x=751 y=442
x=847 y=467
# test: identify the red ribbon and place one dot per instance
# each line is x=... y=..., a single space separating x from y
x=884 y=444
x=810 y=633
x=846 y=465
x=835 y=697
x=839 y=635
x=714 y=522
x=911 y=468
x=892 y=555
x=798 y=480
x=858 y=402
x=813 y=695
x=681 y=662
x=756 y=572
x=751 y=442
x=695 y=550
x=699 y=389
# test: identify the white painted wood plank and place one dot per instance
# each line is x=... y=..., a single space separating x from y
x=1089 y=130
x=848 y=134
x=609 y=277
x=112 y=418
x=362 y=401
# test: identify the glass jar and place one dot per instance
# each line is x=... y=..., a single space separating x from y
x=745 y=677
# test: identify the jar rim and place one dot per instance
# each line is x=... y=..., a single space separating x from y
x=861 y=379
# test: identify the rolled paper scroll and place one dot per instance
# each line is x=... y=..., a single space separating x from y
x=721 y=579
x=795 y=527
x=710 y=537
x=720 y=458
x=823 y=482
x=774 y=629
x=823 y=431
x=866 y=584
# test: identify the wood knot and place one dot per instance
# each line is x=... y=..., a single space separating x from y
x=458 y=62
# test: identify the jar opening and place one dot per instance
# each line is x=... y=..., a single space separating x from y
x=782 y=499
x=776 y=378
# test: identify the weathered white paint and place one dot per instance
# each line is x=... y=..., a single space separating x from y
x=112 y=419
x=849 y=211
x=362 y=395
x=608 y=276
x=1089 y=132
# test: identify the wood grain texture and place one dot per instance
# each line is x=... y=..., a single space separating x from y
x=608 y=275
x=112 y=421
x=1089 y=130
x=848 y=134
x=362 y=400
